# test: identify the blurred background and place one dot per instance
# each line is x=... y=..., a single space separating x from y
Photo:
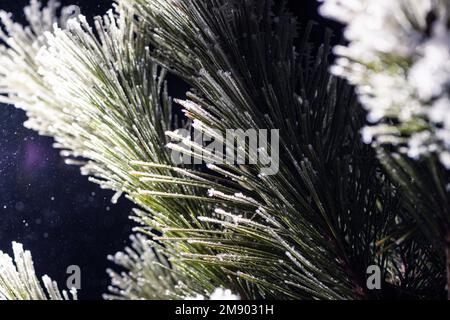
x=48 y=206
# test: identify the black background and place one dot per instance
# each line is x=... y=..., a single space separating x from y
x=53 y=210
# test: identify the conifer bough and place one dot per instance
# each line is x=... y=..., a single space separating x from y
x=308 y=232
x=398 y=57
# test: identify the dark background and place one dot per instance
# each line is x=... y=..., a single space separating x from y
x=53 y=210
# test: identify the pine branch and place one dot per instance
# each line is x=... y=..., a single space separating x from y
x=308 y=232
x=206 y=43
x=106 y=105
x=403 y=82
x=18 y=279
x=149 y=274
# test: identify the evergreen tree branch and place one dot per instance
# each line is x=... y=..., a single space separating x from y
x=18 y=279
x=403 y=81
x=308 y=232
x=206 y=43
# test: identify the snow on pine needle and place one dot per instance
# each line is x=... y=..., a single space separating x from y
x=398 y=57
x=308 y=232
x=18 y=280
